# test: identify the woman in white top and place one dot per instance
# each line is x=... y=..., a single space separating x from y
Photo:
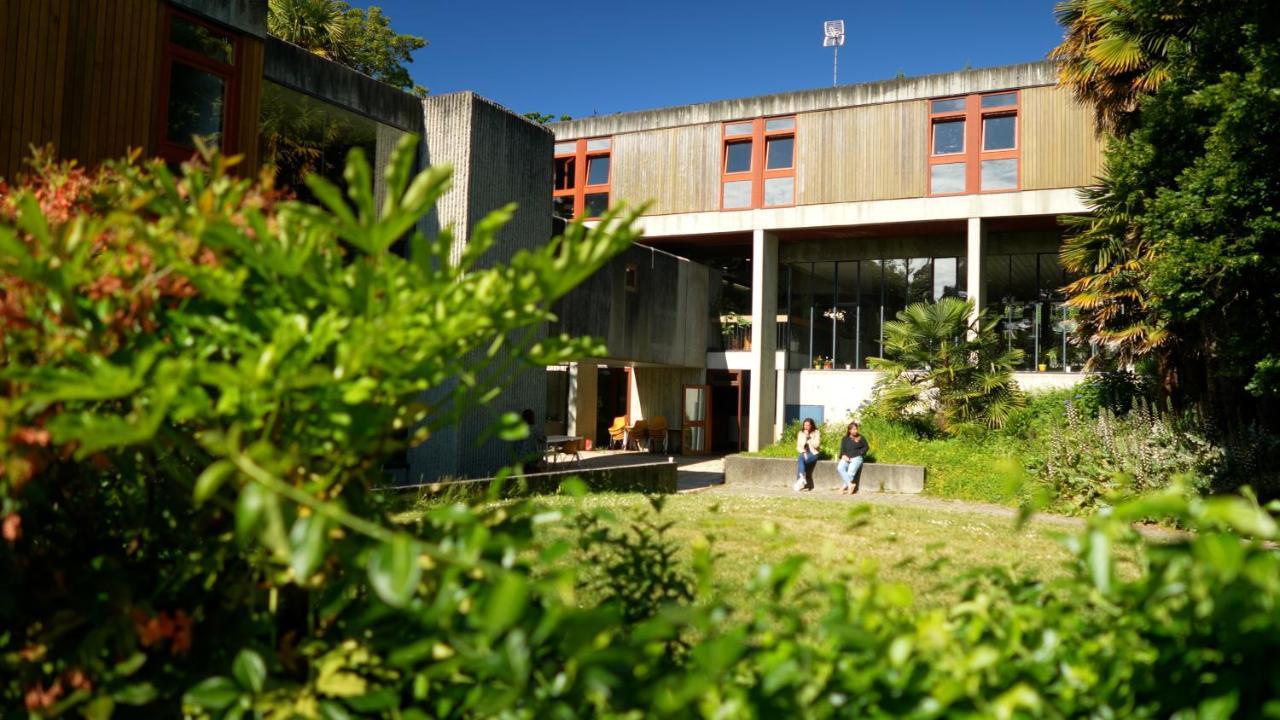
x=808 y=443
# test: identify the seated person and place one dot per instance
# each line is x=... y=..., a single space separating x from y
x=853 y=450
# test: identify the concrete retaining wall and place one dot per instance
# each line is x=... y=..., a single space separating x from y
x=648 y=478
x=781 y=472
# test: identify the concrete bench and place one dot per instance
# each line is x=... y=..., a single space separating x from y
x=743 y=470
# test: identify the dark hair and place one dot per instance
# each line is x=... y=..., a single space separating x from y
x=810 y=422
x=853 y=425
x=527 y=416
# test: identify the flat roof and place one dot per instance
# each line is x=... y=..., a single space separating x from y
x=963 y=82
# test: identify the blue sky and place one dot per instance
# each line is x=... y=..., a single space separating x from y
x=580 y=58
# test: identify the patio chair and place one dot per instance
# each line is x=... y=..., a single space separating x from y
x=637 y=434
x=658 y=433
x=570 y=450
x=618 y=432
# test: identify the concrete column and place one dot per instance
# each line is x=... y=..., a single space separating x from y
x=976 y=276
x=764 y=338
x=582 y=400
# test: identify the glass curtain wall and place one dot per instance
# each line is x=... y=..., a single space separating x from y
x=836 y=309
x=1024 y=292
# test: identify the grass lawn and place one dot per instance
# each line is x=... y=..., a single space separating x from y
x=926 y=548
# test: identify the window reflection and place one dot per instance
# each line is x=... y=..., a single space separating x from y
x=196 y=100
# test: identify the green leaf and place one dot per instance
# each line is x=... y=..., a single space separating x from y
x=137 y=694
x=1099 y=560
x=213 y=693
x=507 y=603
x=100 y=708
x=330 y=710
x=249 y=507
x=307 y=541
x=394 y=570
x=212 y=478
x=249 y=670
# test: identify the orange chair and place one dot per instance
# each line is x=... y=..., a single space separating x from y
x=637 y=434
x=618 y=432
x=658 y=433
x=570 y=450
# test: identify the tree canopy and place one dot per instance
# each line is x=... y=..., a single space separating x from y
x=360 y=39
x=1179 y=263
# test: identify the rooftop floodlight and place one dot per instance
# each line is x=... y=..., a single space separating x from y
x=833 y=37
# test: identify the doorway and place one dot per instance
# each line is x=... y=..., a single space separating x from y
x=613 y=399
x=730 y=402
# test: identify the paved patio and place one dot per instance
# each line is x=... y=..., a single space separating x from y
x=695 y=472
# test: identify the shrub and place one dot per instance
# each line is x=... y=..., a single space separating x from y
x=198 y=387
x=1088 y=461
x=943 y=369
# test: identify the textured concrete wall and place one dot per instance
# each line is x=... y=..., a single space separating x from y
x=295 y=68
x=664 y=321
x=841 y=392
x=916 y=88
x=248 y=16
x=497 y=158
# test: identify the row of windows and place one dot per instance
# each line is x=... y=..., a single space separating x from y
x=973 y=148
x=836 y=310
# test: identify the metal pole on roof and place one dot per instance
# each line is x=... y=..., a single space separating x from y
x=833 y=36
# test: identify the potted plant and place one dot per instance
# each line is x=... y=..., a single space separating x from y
x=819 y=362
x=1051 y=355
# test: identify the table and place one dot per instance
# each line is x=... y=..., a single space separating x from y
x=555 y=446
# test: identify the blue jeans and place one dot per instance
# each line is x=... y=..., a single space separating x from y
x=848 y=470
x=805 y=461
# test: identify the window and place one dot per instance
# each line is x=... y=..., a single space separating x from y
x=973 y=144
x=759 y=164
x=631 y=278
x=198 y=88
x=582 y=178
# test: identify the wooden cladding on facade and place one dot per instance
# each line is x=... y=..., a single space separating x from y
x=870 y=152
x=83 y=74
x=1059 y=146
x=677 y=169
x=250 y=105
x=852 y=154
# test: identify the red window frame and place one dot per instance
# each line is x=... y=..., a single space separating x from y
x=973 y=154
x=581 y=158
x=229 y=73
x=757 y=173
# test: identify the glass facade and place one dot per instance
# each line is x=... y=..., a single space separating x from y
x=836 y=310
x=1024 y=291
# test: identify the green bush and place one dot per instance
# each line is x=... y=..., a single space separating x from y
x=1088 y=461
x=198 y=387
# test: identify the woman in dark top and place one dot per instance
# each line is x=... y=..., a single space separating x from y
x=853 y=448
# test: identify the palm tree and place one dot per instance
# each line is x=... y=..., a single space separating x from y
x=942 y=363
x=1114 y=52
x=316 y=25
x=1110 y=258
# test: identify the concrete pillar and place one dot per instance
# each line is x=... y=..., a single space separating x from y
x=764 y=338
x=582 y=400
x=976 y=275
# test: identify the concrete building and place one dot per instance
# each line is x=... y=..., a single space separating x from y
x=818 y=215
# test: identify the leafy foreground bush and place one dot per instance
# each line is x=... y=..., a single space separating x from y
x=199 y=384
